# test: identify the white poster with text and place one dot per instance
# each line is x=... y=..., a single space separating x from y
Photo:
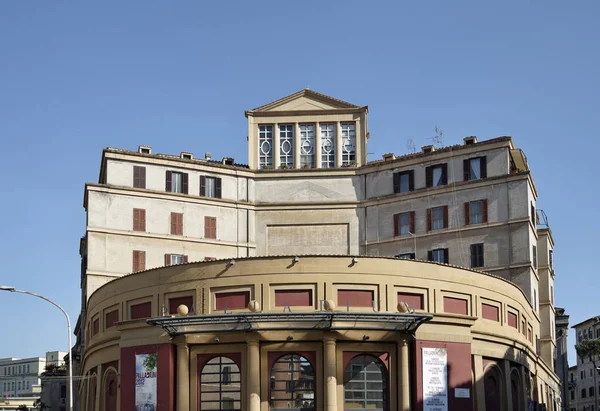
x=145 y=382
x=435 y=379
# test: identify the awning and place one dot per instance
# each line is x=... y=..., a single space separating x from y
x=245 y=322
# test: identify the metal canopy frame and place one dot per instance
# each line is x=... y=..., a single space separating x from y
x=246 y=322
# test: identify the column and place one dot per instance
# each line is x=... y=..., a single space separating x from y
x=276 y=144
x=183 y=378
x=403 y=376
x=99 y=386
x=505 y=364
x=253 y=376
x=317 y=145
x=297 y=148
x=329 y=354
x=524 y=376
x=338 y=144
x=479 y=383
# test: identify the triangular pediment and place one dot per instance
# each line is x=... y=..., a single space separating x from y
x=304 y=100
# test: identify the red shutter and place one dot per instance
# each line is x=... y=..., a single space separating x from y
x=139 y=261
x=139 y=177
x=173 y=223
x=214 y=227
x=210 y=227
x=466 y=170
x=396 y=182
x=167 y=259
x=180 y=224
x=185 y=259
x=202 y=186
x=429 y=219
x=139 y=219
x=217 y=187
x=185 y=182
x=445 y=216
x=396 y=224
x=169 y=181
x=467 y=213
x=209 y=259
x=412 y=222
x=484 y=211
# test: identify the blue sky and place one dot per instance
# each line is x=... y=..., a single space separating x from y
x=79 y=76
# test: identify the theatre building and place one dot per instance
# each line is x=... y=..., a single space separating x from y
x=311 y=279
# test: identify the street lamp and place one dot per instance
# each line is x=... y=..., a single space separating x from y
x=14 y=290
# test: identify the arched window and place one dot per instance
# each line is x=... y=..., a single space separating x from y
x=220 y=385
x=492 y=386
x=365 y=384
x=109 y=400
x=92 y=393
x=292 y=384
x=515 y=386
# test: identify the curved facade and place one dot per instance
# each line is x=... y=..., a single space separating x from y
x=313 y=333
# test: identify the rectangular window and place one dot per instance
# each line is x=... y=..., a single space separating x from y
x=475 y=168
x=439 y=255
x=414 y=301
x=406 y=256
x=176 y=182
x=477 y=255
x=174 y=259
x=348 y=143
x=437 y=218
x=583 y=393
x=534 y=256
x=355 y=298
x=437 y=175
x=210 y=187
x=175 y=302
x=139 y=261
x=327 y=145
x=490 y=312
x=139 y=219
x=293 y=298
x=139 y=177
x=143 y=310
x=286 y=146
x=512 y=320
x=476 y=212
x=237 y=300
x=404 y=223
x=265 y=147
x=210 y=227
x=176 y=224
x=456 y=306
x=404 y=181
x=533 y=215
x=96 y=326
x=111 y=318
x=307 y=145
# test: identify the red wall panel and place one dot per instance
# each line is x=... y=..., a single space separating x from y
x=232 y=301
x=414 y=301
x=490 y=312
x=456 y=306
x=355 y=298
x=293 y=298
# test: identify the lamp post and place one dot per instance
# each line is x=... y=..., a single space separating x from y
x=14 y=290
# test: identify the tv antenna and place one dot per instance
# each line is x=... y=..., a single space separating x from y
x=410 y=145
x=438 y=139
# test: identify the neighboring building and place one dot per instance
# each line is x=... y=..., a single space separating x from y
x=562 y=360
x=307 y=190
x=572 y=387
x=588 y=378
x=54 y=389
x=20 y=377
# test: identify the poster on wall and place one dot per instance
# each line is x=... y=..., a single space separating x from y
x=435 y=379
x=145 y=382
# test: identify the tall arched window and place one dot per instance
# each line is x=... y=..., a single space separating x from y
x=516 y=390
x=492 y=386
x=292 y=384
x=110 y=390
x=92 y=393
x=365 y=384
x=220 y=385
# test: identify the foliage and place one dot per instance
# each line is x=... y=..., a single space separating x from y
x=588 y=349
x=150 y=362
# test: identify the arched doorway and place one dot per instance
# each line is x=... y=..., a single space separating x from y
x=492 y=382
x=365 y=384
x=220 y=385
x=109 y=387
x=292 y=384
x=516 y=390
x=91 y=400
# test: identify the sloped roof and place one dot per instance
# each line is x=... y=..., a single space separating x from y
x=309 y=94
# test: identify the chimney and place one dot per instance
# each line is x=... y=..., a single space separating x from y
x=389 y=157
x=186 y=155
x=228 y=161
x=428 y=149
x=470 y=140
x=144 y=149
x=207 y=156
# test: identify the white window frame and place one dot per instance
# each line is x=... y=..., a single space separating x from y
x=286 y=145
x=210 y=187
x=307 y=145
x=176 y=182
x=175 y=258
x=265 y=146
x=348 y=143
x=327 y=133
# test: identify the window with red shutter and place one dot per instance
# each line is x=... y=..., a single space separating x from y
x=293 y=298
x=176 y=223
x=96 y=326
x=139 y=219
x=355 y=298
x=139 y=177
x=139 y=261
x=142 y=310
x=210 y=227
x=235 y=300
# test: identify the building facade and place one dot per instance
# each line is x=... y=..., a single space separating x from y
x=572 y=387
x=309 y=190
x=562 y=359
x=21 y=376
x=588 y=377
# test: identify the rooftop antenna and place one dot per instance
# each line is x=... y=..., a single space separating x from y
x=438 y=139
x=410 y=145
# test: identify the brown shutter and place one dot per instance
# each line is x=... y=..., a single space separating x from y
x=484 y=211
x=173 y=223
x=176 y=223
x=429 y=255
x=139 y=219
x=428 y=177
x=202 y=186
x=467 y=213
x=217 y=187
x=429 y=219
x=444 y=174
x=209 y=258
x=483 y=166
x=167 y=259
x=135 y=261
x=411 y=180
x=184 y=178
x=466 y=170
x=445 y=216
x=139 y=177
x=214 y=227
x=169 y=181
x=185 y=259
x=396 y=182
x=446 y=256
x=396 y=223
x=412 y=222
x=139 y=261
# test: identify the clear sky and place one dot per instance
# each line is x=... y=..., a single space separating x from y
x=177 y=75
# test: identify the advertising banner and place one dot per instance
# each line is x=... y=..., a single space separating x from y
x=145 y=382
x=435 y=379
